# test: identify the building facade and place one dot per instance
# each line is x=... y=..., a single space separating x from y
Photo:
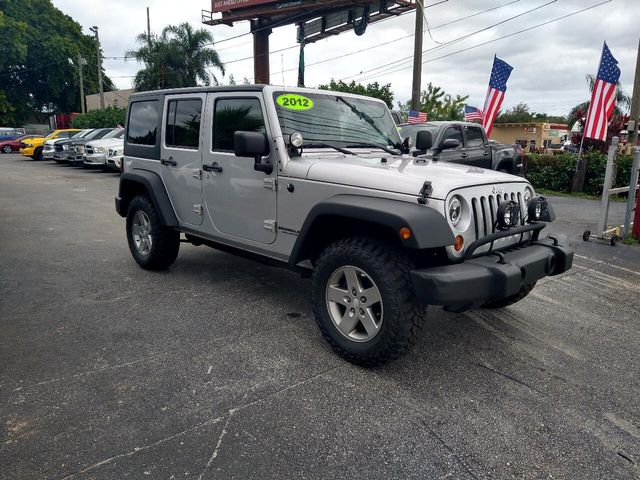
x=531 y=135
x=117 y=98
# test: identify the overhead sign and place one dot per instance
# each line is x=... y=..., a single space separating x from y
x=225 y=5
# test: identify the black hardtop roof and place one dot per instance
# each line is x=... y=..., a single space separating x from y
x=188 y=90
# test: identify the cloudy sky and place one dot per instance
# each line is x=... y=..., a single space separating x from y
x=550 y=61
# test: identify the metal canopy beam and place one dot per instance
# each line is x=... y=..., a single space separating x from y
x=317 y=19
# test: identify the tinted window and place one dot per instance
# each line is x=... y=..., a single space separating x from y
x=474 y=137
x=235 y=114
x=183 y=123
x=143 y=122
x=452 y=132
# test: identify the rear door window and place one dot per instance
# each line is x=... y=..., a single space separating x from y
x=474 y=137
x=183 y=123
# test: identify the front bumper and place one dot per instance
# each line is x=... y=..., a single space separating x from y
x=494 y=276
x=96 y=159
x=27 y=151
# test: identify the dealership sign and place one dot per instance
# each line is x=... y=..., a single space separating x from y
x=225 y=5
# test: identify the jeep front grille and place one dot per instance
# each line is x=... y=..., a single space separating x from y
x=485 y=209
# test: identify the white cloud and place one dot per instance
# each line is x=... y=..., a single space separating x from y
x=550 y=62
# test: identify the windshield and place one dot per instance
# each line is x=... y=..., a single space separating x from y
x=115 y=133
x=412 y=130
x=335 y=120
x=98 y=133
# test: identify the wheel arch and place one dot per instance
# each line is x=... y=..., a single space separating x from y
x=354 y=215
x=143 y=182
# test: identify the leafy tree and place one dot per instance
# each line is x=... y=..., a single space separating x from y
x=38 y=60
x=383 y=92
x=179 y=57
x=110 y=117
x=438 y=104
x=520 y=113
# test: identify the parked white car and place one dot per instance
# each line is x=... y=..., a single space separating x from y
x=114 y=157
x=95 y=152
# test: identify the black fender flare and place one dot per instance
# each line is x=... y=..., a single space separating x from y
x=429 y=228
x=156 y=192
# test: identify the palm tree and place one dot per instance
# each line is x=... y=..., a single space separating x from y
x=179 y=57
x=579 y=112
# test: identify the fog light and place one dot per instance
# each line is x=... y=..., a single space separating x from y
x=405 y=233
x=508 y=215
x=459 y=243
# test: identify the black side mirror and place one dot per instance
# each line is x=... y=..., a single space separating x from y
x=449 y=144
x=424 y=140
x=252 y=144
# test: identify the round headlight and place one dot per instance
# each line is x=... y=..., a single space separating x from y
x=455 y=210
x=528 y=193
x=296 y=139
x=536 y=208
x=508 y=215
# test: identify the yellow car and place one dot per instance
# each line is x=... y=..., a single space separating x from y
x=33 y=146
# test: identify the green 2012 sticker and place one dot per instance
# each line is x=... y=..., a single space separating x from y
x=293 y=101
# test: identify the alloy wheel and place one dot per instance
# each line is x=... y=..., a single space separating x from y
x=141 y=230
x=354 y=303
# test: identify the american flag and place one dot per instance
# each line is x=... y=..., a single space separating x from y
x=603 y=97
x=497 y=86
x=417 y=117
x=472 y=113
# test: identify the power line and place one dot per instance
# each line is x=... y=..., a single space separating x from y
x=398 y=38
x=495 y=39
x=397 y=63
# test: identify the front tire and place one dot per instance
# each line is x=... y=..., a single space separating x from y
x=363 y=301
x=37 y=155
x=153 y=245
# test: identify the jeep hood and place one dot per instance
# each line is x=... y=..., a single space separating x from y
x=398 y=174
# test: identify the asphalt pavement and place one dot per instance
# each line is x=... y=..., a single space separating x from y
x=215 y=369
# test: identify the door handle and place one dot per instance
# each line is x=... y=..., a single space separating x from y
x=214 y=167
x=465 y=155
x=486 y=152
x=170 y=162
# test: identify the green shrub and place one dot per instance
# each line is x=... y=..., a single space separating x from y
x=555 y=172
x=110 y=117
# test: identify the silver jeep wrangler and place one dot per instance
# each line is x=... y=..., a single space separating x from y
x=321 y=182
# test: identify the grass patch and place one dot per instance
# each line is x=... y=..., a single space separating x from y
x=631 y=240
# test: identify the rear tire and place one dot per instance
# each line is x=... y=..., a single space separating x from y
x=7 y=149
x=505 y=302
x=383 y=319
x=153 y=245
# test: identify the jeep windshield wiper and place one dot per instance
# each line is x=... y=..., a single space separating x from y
x=328 y=145
x=374 y=145
x=367 y=118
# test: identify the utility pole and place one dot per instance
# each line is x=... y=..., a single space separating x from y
x=417 y=57
x=633 y=137
x=94 y=29
x=81 y=63
x=635 y=103
x=148 y=27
